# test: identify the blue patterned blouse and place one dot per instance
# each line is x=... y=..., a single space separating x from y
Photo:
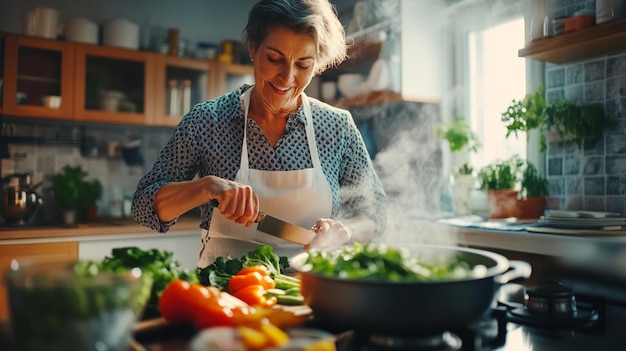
x=208 y=141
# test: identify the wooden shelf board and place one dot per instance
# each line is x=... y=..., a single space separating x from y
x=603 y=39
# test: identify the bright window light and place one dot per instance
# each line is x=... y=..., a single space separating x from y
x=496 y=76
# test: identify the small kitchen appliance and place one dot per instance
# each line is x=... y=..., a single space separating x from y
x=18 y=199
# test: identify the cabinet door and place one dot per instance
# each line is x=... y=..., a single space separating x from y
x=57 y=251
x=226 y=77
x=35 y=68
x=113 y=85
x=180 y=84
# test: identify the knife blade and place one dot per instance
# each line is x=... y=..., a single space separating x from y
x=279 y=228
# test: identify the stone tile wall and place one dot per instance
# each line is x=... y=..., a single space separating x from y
x=592 y=178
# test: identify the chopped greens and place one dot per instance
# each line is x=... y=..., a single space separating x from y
x=378 y=262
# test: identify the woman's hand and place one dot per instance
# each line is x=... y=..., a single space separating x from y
x=237 y=201
x=329 y=233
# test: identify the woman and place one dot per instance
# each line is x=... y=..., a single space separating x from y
x=268 y=147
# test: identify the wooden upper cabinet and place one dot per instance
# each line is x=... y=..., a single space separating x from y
x=35 y=68
x=106 y=84
x=602 y=39
x=113 y=85
x=180 y=83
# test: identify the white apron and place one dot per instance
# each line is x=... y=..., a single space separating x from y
x=299 y=197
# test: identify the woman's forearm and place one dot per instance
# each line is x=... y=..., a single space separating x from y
x=174 y=199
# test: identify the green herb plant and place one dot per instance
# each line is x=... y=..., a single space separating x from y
x=460 y=137
x=578 y=123
x=501 y=174
x=72 y=191
x=532 y=183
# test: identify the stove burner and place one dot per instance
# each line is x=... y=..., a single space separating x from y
x=356 y=341
x=553 y=305
x=550 y=299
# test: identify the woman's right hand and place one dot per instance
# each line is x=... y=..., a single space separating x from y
x=237 y=201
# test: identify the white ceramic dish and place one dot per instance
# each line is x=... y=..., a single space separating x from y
x=581 y=214
x=51 y=101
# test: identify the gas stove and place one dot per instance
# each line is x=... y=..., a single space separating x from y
x=547 y=316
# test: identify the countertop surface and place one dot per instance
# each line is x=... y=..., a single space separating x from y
x=85 y=231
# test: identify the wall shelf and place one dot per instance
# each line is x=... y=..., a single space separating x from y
x=603 y=39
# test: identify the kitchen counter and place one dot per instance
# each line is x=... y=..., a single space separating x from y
x=98 y=230
x=596 y=252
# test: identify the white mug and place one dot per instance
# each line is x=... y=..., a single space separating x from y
x=42 y=22
x=81 y=30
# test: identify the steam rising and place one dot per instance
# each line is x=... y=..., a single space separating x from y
x=409 y=165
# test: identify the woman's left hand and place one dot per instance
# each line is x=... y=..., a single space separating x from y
x=329 y=233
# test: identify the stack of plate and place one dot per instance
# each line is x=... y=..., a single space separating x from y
x=583 y=220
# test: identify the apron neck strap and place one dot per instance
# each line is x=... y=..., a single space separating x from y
x=310 y=133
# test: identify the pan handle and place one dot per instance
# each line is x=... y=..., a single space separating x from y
x=518 y=270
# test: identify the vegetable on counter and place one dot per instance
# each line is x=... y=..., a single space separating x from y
x=260 y=266
x=157 y=265
x=207 y=307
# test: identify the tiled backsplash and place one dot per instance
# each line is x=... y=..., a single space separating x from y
x=592 y=178
x=86 y=145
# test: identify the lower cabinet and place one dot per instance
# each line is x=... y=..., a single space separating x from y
x=61 y=251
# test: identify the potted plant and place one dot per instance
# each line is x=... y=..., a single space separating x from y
x=580 y=124
x=461 y=139
x=74 y=194
x=526 y=115
x=500 y=179
x=533 y=192
x=561 y=121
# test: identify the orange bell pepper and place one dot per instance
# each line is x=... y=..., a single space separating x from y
x=260 y=268
x=254 y=295
x=241 y=281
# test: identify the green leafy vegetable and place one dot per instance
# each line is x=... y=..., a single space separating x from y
x=382 y=263
x=157 y=265
x=218 y=274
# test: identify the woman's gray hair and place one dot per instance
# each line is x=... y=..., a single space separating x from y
x=315 y=17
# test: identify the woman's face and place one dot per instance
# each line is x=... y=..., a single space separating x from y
x=284 y=64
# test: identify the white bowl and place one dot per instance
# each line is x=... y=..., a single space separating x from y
x=51 y=101
x=350 y=84
x=110 y=100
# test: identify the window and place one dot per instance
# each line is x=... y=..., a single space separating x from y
x=496 y=75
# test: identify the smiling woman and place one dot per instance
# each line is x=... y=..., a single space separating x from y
x=266 y=147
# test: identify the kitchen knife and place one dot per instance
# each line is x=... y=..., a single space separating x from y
x=279 y=228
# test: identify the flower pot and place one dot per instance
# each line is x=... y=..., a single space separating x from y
x=502 y=203
x=531 y=207
x=462 y=185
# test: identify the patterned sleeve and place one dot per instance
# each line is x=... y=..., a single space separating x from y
x=175 y=163
x=362 y=192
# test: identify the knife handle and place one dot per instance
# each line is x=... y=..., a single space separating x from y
x=259 y=216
